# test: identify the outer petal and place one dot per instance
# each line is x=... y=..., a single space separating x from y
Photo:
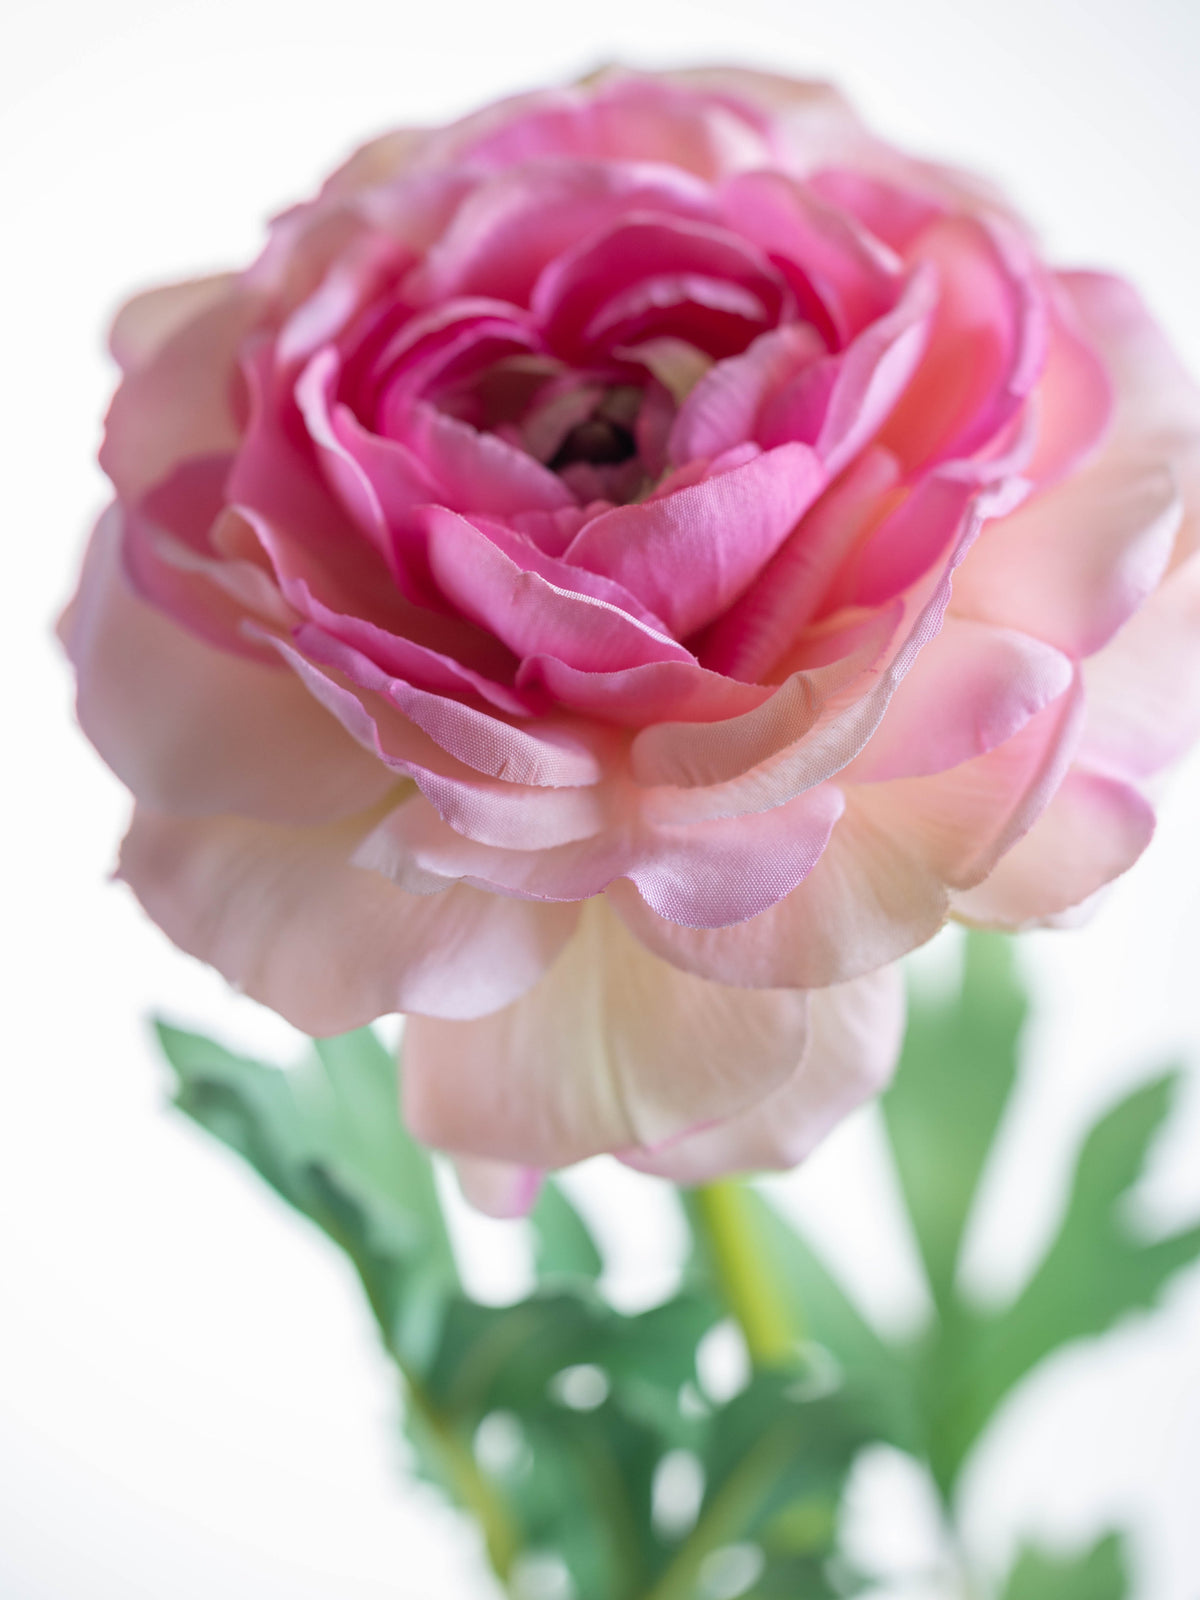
x=195 y=730
x=855 y=1033
x=612 y=1048
x=282 y=914
x=882 y=885
x=1075 y=563
x=971 y=688
x=1143 y=688
x=182 y=401
x=144 y=324
x=1094 y=829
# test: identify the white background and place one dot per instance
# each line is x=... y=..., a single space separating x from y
x=191 y=1400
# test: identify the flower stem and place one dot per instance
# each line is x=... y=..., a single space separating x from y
x=724 y=1217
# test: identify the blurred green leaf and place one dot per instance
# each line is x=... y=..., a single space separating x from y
x=1100 y=1574
x=327 y=1136
x=942 y=1112
x=563 y=1247
x=1098 y=1269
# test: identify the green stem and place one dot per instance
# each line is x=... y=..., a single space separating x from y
x=466 y=1482
x=747 y=1279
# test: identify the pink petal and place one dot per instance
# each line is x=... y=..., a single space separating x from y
x=757 y=632
x=882 y=885
x=722 y=410
x=896 y=214
x=855 y=1033
x=987 y=346
x=706 y=874
x=413 y=731
x=531 y=614
x=579 y=283
x=637 y=697
x=970 y=689
x=1074 y=397
x=839 y=403
x=689 y=555
x=503 y=234
x=854 y=278
x=1093 y=830
x=611 y=1049
x=195 y=730
x=281 y=913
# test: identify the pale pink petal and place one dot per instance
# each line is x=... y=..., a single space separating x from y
x=1093 y=830
x=195 y=730
x=1074 y=563
x=970 y=689
x=855 y=1033
x=497 y=1188
x=612 y=1048
x=894 y=213
x=283 y=915
x=183 y=401
x=144 y=324
x=413 y=731
x=1143 y=688
x=1074 y=395
x=689 y=555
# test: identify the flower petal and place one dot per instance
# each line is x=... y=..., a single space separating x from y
x=689 y=555
x=855 y=1033
x=282 y=914
x=1093 y=830
x=612 y=1048
x=195 y=730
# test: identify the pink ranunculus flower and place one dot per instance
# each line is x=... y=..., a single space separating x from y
x=614 y=575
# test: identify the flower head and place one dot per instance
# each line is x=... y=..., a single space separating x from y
x=615 y=574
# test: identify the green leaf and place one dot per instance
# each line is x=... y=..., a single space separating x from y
x=563 y=1246
x=1097 y=1270
x=776 y=1462
x=942 y=1112
x=1102 y=1573
x=327 y=1136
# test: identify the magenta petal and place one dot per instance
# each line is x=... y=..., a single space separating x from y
x=689 y=555
x=722 y=410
